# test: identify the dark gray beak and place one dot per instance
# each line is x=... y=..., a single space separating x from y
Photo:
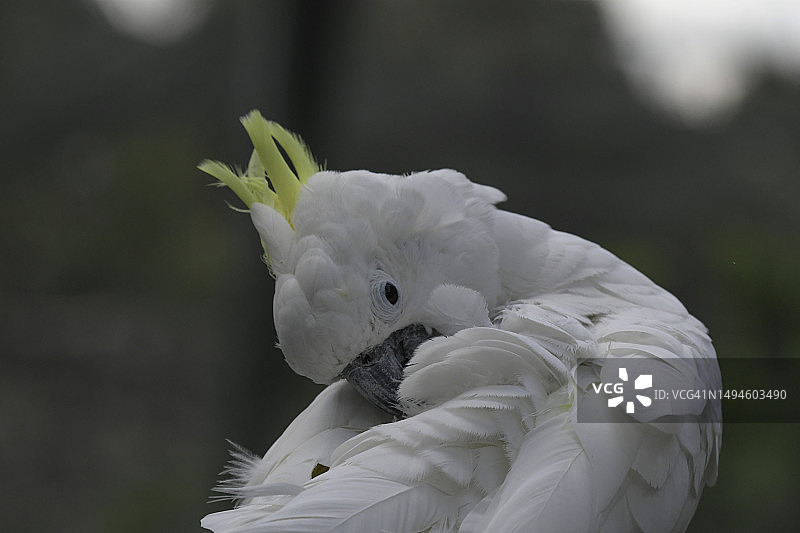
x=378 y=371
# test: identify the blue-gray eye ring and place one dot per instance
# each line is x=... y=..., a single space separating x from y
x=387 y=299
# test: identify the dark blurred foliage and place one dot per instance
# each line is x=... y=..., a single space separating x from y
x=135 y=315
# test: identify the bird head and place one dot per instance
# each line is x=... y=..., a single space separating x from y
x=367 y=266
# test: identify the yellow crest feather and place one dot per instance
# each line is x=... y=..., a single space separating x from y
x=267 y=162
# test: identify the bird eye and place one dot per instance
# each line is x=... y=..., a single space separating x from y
x=386 y=296
x=390 y=293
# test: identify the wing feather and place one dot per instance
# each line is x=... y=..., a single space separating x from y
x=351 y=499
x=548 y=488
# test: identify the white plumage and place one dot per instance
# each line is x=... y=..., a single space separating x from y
x=489 y=440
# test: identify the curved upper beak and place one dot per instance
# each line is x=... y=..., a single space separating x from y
x=378 y=371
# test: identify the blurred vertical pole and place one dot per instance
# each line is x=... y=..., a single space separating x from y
x=313 y=49
x=280 y=58
x=259 y=63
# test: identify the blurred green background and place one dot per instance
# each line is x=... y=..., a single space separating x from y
x=135 y=316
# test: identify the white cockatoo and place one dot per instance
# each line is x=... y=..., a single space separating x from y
x=458 y=341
